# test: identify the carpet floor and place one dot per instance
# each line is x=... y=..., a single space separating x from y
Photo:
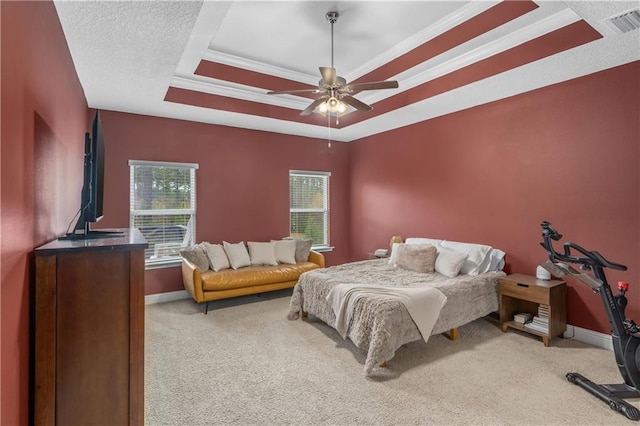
x=244 y=363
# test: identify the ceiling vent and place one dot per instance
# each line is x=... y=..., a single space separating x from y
x=626 y=22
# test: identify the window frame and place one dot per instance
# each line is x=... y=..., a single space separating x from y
x=326 y=210
x=165 y=261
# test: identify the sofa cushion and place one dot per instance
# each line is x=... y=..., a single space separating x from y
x=303 y=247
x=237 y=254
x=218 y=259
x=262 y=253
x=253 y=276
x=285 y=251
x=197 y=255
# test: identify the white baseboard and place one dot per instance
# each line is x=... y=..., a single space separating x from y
x=152 y=299
x=589 y=336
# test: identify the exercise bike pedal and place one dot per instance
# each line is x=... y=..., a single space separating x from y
x=629 y=411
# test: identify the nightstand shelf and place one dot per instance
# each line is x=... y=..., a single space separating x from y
x=522 y=293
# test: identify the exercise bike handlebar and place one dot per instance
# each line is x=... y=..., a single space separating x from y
x=591 y=258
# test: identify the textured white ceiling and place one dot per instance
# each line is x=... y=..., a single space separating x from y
x=127 y=54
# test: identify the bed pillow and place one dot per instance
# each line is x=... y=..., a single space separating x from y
x=262 y=253
x=394 y=254
x=417 y=258
x=497 y=260
x=196 y=255
x=479 y=256
x=285 y=251
x=237 y=254
x=218 y=259
x=449 y=262
x=423 y=241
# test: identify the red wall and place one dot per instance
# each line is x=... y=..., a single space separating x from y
x=44 y=117
x=568 y=154
x=242 y=184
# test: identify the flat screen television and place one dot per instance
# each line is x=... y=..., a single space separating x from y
x=91 y=199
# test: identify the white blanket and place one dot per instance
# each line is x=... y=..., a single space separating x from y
x=422 y=303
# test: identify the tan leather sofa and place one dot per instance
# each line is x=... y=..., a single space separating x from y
x=211 y=285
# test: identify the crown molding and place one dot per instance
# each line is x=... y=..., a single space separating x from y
x=238 y=91
x=443 y=25
x=426 y=71
x=259 y=67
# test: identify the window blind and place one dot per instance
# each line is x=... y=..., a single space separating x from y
x=309 y=206
x=163 y=207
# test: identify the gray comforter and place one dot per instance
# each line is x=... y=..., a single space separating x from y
x=381 y=325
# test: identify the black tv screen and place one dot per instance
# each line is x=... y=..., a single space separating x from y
x=96 y=184
x=91 y=199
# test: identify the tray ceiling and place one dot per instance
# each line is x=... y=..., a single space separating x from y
x=214 y=61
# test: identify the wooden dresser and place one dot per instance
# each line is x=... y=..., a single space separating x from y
x=89 y=331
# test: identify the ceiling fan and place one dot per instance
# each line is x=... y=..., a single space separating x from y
x=337 y=93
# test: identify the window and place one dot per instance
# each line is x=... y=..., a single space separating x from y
x=309 y=206
x=163 y=207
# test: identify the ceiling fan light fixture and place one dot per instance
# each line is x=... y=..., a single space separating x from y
x=332 y=106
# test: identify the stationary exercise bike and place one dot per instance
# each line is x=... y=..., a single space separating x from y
x=625 y=334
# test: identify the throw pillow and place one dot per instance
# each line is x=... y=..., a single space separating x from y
x=303 y=247
x=417 y=258
x=285 y=251
x=449 y=262
x=196 y=255
x=262 y=253
x=479 y=256
x=218 y=259
x=237 y=254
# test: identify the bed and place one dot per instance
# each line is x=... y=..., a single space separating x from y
x=380 y=325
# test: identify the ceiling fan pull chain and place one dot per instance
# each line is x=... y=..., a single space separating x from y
x=329 y=125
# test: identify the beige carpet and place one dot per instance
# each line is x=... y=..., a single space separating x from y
x=245 y=363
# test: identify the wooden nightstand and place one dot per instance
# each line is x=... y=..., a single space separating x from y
x=522 y=293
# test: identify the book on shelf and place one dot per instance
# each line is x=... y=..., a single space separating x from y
x=543 y=311
x=537 y=327
x=541 y=320
x=523 y=318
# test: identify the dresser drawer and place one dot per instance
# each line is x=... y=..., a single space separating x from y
x=524 y=291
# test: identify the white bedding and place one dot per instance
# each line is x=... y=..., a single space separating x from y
x=381 y=325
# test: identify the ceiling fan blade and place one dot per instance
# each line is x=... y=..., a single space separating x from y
x=374 y=85
x=329 y=75
x=357 y=104
x=308 y=110
x=293 y=92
